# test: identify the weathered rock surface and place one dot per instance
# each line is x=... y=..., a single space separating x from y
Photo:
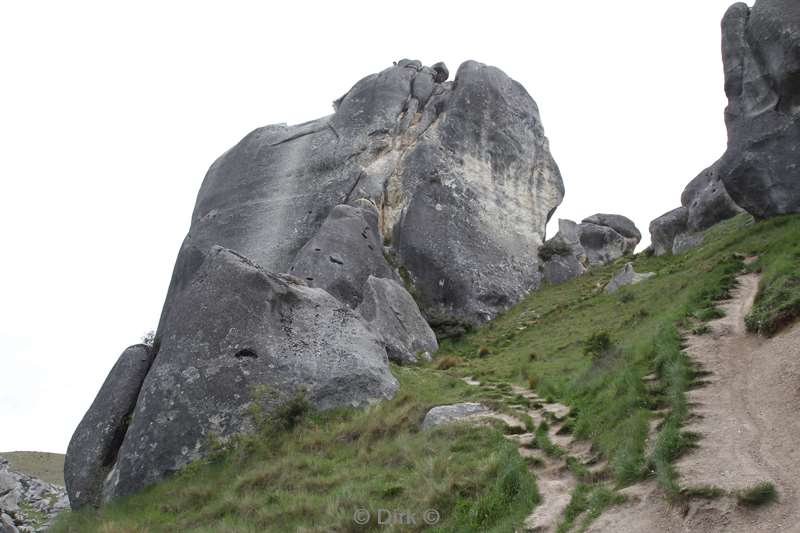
x=761 y=56
x=345 y=251
x=707 y=201
x=93 y=448
x=460 y=171
x=606 y=237
x=28 y=504
x=622 y=225
x=452 y=180
x=626 y=276
x=232 y=327
x=392 y=313
x=447 y=414
x=665 y=228
x=686 y=241
x=561 y=268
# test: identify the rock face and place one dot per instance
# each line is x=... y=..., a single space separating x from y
x=707 y=201
x=761 y=57
x=28 y=503
x=230 y=329
x=345 y=251
x=451 y=181
x=391 y=312
x=93 y=448
x=665 y=228
x=626 y=276
x=460 y=172
x=606 y=238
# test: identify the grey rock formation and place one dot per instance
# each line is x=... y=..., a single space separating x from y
x=452 y=180
x=761 y=57
x=447 y=414
x=602 y=244
x=93 y=448
x=707 y=201
x=230 y=329
x=392 y=313
x=626 y=276
x=665 y=228
x=346 y=250
x=460 y=172
x=686 y=241
x=561 y=268
x=28 y=503
x=622 y=225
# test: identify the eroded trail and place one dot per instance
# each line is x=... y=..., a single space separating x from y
x=745 y=415
x=549 y=450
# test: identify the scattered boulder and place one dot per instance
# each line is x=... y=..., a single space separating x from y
x=230 y=330
x=390 y=311
x=622 y=225
x=561 y=268
x=601 y=244
x=93 y=448
x=447 y=414
x=346 y=250
x=761 y=57
x=707 y=201
x=27 y=503
x=626 y=276
x=665 y=228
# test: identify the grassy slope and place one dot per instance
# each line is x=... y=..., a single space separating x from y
x=46 y=466
x=316 y=475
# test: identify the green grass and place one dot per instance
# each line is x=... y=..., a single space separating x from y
x=572 y=342
x=760 y=494
x=778 y=300
x=46 y=466
x=317 y=471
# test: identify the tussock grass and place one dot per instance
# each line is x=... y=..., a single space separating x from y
x=313 y=475
x=760 y=494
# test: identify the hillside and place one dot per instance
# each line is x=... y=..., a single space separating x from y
x=616 y=360
x=44 y=465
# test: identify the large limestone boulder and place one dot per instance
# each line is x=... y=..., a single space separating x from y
x=761 y=56
x=93 y=448
x=346 y=250
x=460 y=172
x=232 y=329
x=391 y=312
x=620 y=224
x=707 y=201
x=665 y=228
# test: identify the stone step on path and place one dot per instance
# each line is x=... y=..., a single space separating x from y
x=554 y=479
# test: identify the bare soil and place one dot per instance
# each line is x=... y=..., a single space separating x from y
x=746 y=416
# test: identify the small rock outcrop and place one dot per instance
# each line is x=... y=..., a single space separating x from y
x=606 y=238
x=707 y=201
x=626 y=276
x=92 y=451
x=447 y=414
x=391 y=312
x=665 y=228
x=761 y=58
x=28 y=504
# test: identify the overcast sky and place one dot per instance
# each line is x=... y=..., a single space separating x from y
x=111 y=112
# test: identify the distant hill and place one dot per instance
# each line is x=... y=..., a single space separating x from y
x=46 y=466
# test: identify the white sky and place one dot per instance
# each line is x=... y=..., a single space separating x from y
x=111 y=112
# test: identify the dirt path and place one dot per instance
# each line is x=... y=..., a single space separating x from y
x=746 y=416
x=554 y=479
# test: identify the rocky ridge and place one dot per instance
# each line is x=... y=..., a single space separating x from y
x=28 y=504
